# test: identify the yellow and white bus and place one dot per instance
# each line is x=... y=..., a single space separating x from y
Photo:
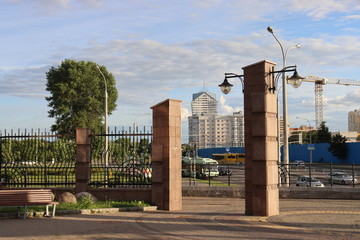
x=229 y=158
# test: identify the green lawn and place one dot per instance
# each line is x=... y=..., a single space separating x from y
x=215 y=183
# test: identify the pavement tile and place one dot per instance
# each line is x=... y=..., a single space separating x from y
x=201 y=218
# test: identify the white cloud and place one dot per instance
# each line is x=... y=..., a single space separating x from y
x=53 y=5
x=321 y=8
x=185 y=113
x=344 y=101
x=225 y=109
x=170 y=53
x=352 y=17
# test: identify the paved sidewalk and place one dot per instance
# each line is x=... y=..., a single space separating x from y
x=201 y=218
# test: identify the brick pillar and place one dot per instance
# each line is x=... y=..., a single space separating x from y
x=166 y=189
x=261 y=170
x=82 y=166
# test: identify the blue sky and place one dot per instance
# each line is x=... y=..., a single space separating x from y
x=171 y=49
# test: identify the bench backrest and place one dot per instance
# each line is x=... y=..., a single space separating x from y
x=26 y=196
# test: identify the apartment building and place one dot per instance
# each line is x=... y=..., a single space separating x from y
x=207 y=129
x=204 y=102
x=354 y=121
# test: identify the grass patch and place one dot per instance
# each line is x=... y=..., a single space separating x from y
x=84 y=203
x=215 y=183
x=100 y=204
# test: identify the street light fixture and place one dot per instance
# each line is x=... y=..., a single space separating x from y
x=105 y=123
x=295 y=79
x=225 y=86
x=285 y=110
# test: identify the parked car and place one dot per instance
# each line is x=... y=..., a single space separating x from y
x=305 y=181
x=223 y=171
x=342 y=178
x=298 y=163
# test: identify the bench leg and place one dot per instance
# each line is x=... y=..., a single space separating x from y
x=54 y=208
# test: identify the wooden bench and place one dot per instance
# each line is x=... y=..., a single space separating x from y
x=28 y=197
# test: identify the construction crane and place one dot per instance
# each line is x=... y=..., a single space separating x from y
x=319 y=83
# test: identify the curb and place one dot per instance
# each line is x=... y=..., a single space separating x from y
x=80 y=211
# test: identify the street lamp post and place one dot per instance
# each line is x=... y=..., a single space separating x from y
x=106 y=124
x=285 y=109
x=311 y=147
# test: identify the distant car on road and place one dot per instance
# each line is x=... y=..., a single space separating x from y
x=298 y=163
x=305 y=181
x=223 y=171
x=342 y=178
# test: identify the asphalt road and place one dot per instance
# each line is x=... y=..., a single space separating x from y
x=238 y=176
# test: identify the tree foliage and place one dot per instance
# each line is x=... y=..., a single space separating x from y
x=77 y=95
x=38 y=151
x=322 y=135
x=338 y=146
x=121 y=150
x=187 y=150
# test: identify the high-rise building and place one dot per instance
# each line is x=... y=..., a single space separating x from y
x=203 y=102
x=354 y=121
x=207 y=129
x=212 y=130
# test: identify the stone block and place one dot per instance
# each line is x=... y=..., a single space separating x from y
x=260 y=108
x=157 y=153
x=82 y=136
x=263 y=125
x=167 y=155
x=264 y=150
x=83 y=153
x=157 y=173
x=263 y=201
x=157 y=195
x=263 y=102
x=263 y=171
x=82 y=171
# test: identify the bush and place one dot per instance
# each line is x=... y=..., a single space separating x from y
x=86 y=202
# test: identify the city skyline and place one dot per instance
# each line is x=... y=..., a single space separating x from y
x=158 y=50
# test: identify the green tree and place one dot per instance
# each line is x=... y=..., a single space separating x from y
x=77 y=95
x=338 y=146
x=322 y=134
x=187 y=150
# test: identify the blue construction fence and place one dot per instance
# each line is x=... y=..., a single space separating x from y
x=318 y=152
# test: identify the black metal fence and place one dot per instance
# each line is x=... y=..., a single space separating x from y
x=329 y=175
x=123 y=161
x=221 y=175
x=121 y=158
x=37 y=159
x=320 y=175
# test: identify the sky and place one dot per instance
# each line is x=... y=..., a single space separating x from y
x=158 y=49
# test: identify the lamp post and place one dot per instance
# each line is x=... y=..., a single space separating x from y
x=105 y=123
x=311 y=147
x=285 y=110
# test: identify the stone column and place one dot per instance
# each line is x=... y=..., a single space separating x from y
x=82 y=166
x=261 y=154
x=166 y=189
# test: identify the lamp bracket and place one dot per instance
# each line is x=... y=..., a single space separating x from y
x=278 y=73
x=234 y=75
